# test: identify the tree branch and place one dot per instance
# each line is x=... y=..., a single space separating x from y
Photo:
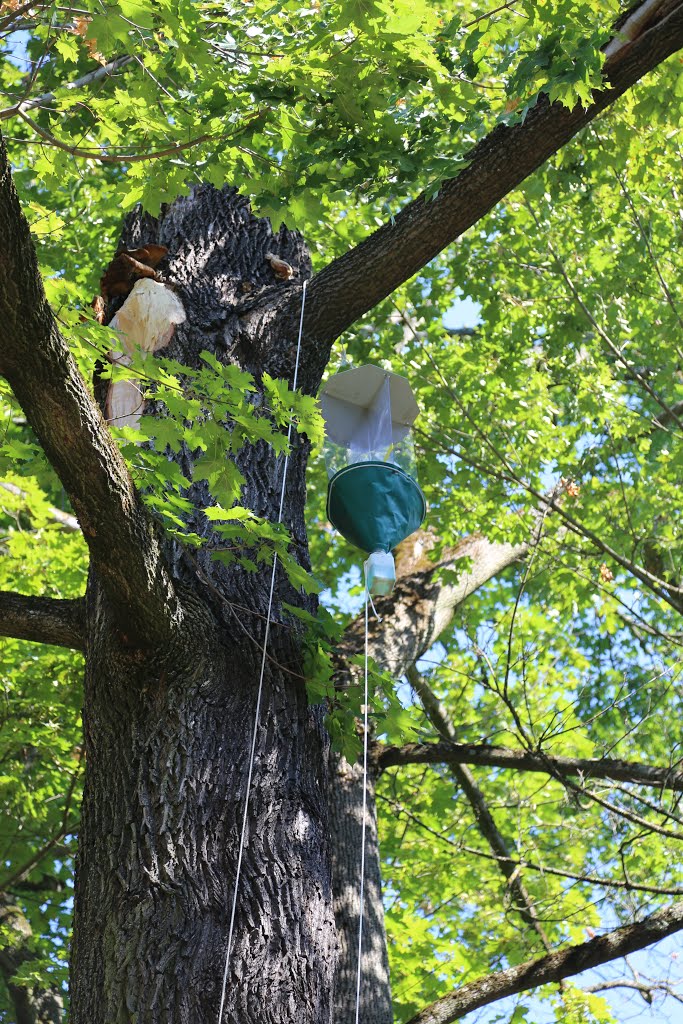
x=13 y=16
x=632 y=22
x=553 y=968
x=355 y=282
x=674 y=411
x=111 y=158
x=66 y=827
x=626 y=884
x=486 y=823
x=422 y=605
x=103 y=71
x=418 y=611
x=666 y=591
x=601 y=332
x=44 y=620
x=522 y=760
x=646 y=988
x=63 y=518
x=124 y=543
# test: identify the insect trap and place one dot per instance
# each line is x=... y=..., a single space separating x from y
x=373 y=497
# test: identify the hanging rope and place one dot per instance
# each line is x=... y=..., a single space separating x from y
x=368 y=600
x=254 y=736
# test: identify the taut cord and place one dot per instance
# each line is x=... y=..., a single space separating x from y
x=260 y=684
x=368 y=600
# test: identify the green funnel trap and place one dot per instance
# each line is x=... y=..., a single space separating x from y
x=373 y=498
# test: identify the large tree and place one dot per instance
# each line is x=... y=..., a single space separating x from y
x=524 y=749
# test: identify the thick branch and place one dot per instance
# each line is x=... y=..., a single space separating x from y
x=522 y=760
x=36 y=361
x=43 y=619
x=358 y=280
x=422 y=605
x=553 y=968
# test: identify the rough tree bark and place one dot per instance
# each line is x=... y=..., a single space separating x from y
x=346 y=818
x=171 y=673
x=168 y=728
x=412 y=619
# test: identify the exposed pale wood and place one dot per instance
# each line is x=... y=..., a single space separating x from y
x=167 y=727
x=633 y=24
x=145 y=324
x=422 y=605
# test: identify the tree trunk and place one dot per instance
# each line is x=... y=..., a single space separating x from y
x=346 y=809
x=167 y=744
x=168 y=732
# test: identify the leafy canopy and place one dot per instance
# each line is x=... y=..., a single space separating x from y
x=330 y=117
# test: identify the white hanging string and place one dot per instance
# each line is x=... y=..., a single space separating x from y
x=368 y=600
x=254 y=736
x=377 y=615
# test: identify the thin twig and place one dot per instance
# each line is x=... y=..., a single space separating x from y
x=648 y=245
x=614 y=349
x=48 y=97
x=607 y=883
x=659 y=587
x=63 y=830
x=111 y=158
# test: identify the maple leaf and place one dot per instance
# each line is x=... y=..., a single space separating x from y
x=81 y=25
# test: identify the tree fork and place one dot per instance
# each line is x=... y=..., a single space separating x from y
x=165 y=721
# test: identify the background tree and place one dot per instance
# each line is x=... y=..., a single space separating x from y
x=525 y=744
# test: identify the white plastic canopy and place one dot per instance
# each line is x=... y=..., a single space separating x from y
x=367 y=408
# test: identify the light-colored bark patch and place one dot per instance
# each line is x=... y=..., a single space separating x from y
x=145 y=323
